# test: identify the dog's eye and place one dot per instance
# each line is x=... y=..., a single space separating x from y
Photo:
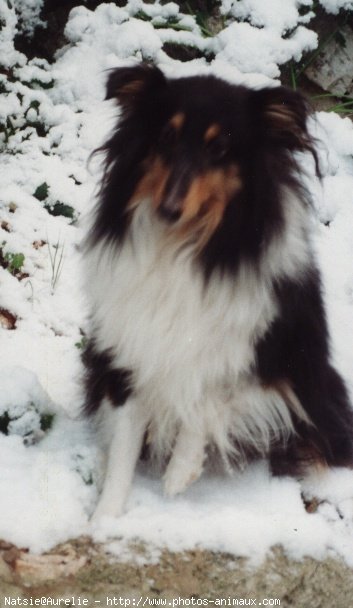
x=218 y=148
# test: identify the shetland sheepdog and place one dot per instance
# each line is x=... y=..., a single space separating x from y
x=208 y=335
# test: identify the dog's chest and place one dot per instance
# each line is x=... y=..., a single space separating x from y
x=153 y=310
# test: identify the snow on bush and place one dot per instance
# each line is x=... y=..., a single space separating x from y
x=28 y=13
x=274 y=14
x=24 y=406
x=262 y=50
x=334 y=6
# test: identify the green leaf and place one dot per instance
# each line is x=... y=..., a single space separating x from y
x=41 y=192
x=46 y=421
x=82 y=343
x=15 y=261
x=61 y=209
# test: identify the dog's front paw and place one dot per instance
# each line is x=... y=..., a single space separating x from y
x=179 y=476
x=104 y=510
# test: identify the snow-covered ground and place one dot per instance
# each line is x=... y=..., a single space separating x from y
x=51 y=118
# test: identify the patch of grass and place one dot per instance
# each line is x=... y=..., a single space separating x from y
x=14 y=261
x=342 y=105
x=56 y=256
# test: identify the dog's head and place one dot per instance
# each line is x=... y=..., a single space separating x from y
x=202 y=151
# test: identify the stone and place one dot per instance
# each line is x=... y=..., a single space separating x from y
x=333 y=68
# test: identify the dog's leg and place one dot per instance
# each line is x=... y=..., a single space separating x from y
x=296 y=350
x=186 y=463
x=128 y=430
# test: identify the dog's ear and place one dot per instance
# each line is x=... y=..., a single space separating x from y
x=129 y=85
x=283 y=114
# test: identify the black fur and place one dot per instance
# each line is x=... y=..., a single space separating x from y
x=296 y=348
x=103 y=380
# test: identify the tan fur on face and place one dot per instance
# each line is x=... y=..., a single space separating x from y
x=177 y=121
x=152 y=183
x=206 y=200
x=211 y=133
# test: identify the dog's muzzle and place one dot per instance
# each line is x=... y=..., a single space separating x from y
x=172 y=204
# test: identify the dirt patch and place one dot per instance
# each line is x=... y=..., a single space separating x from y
x=81 y=569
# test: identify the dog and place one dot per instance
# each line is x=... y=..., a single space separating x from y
x=208 y=335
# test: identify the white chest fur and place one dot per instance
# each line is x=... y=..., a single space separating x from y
x=191 y=347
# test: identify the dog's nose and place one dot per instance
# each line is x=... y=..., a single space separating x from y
x=171 y=206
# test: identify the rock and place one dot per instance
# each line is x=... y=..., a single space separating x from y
x=36 y=569
x=333 y=68
x=5 y=571
x=7 y=319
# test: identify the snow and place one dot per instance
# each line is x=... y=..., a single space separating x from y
x=244 y=514
x=274 y=14
x=29 y=15
x=334 y=6
x=263 y=50
x=51 y=118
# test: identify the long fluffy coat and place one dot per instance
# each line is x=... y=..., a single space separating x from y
x=208 y=331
